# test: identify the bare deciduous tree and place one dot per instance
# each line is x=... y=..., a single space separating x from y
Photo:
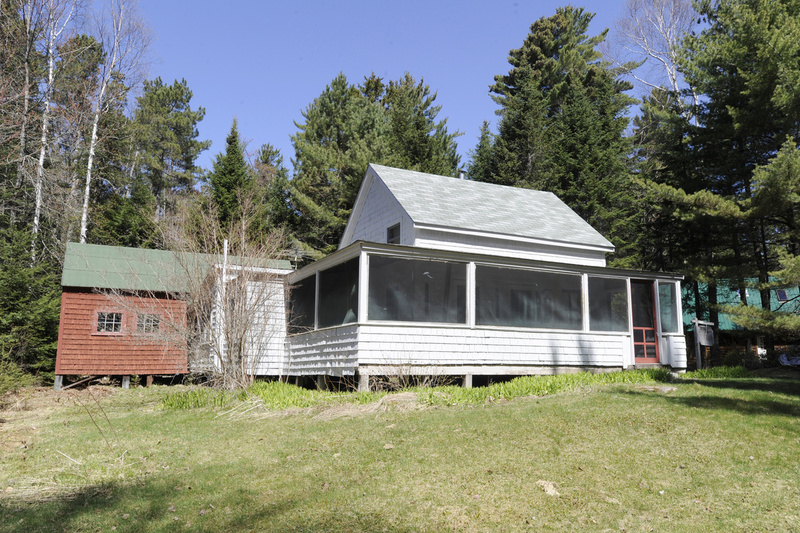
x=233 y=292
x=649 y=35
x=58 y=14
x=235 y=313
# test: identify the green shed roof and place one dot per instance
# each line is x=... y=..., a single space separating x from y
x=137 y=269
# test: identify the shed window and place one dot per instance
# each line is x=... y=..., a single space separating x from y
x=523 y=298
x=109 y=322
x=147 y=323
x=413 y=290
x=608 y=304
x=782 y=295
x=393 y=234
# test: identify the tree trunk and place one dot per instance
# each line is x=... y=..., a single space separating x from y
x=92 y=147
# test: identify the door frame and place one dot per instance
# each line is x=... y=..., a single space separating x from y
x=640 y=335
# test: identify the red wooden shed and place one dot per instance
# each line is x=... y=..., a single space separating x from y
x=121 y=312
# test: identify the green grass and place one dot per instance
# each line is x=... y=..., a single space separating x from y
x=712 y=455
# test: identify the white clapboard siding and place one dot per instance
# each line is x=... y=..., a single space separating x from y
x=673 y=350
x=431 y=345
x=341 y=350
x=267 y=338
x=380 y=212
x=332 y=351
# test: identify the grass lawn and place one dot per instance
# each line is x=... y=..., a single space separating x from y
x=699 y=455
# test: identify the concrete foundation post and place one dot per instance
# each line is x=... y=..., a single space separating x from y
x=126 y=382
x=363 y=383
x=59 y=382
x=467 y=383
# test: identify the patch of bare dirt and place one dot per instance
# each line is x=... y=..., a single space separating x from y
x=663 y=389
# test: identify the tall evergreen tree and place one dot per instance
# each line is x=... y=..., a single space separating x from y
x=417 y=141
x=230 y=177
x=744 y=65
x=272 y=180
x=562 y=124
x=343 y=131
x=166 y=144
x=348 y=127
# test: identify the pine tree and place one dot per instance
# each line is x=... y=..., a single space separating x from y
x=562 y=124
x=166 y=144
x=348 y=127
x=343 y=131
x=416 y=140
x=230 y=178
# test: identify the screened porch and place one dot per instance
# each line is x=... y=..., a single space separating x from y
x=371 y=307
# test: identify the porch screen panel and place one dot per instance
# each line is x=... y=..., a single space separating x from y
x=509 y=297
x=413 y=290
x=301 y=305
x=608 y=304
x=669 y=307
x=338 y=294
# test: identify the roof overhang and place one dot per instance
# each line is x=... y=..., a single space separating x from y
x=518 y=238
x=414 y=252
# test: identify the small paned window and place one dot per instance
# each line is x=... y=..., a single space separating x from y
x=782 y=295
x=109 y=322
x=393 y=234
x=147 y=323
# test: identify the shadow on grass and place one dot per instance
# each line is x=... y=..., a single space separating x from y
x=759 y=401
x=789 y=387
x=158 y=505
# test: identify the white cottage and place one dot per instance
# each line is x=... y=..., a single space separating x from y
x=442 y=276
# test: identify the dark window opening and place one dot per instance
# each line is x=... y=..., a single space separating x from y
x=782 y=295
x=608 y=304
x=338 y=295
x=301 y=305
x=524 y=298
x=412 y=290
x=393 y=234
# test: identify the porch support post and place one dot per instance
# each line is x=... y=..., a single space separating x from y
x=363 y=382
x=467 y=383
x=321 y=384
x=148 y=381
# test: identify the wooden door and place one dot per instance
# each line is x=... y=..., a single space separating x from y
x=645 y=336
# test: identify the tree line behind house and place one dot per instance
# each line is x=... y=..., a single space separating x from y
x=677 y=143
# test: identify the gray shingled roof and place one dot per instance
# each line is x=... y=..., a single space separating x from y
x=484 y=207
x=136 y=269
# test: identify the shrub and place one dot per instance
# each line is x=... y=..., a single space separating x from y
x=13 y=378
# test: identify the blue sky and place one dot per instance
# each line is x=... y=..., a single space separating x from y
x=264 y=61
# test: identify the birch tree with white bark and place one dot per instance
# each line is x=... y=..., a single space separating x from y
x=125 y=39
x=57 y=15
x=646 y=41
